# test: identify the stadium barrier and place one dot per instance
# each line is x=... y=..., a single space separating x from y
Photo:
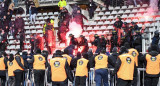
x=29 y=80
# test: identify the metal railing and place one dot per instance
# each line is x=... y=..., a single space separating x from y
x=29 y=80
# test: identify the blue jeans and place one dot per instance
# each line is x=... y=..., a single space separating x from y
x=101 y=74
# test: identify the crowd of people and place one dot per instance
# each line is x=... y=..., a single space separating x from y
x=124 y=56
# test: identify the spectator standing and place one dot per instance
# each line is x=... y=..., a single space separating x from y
x=27 y=3
x=33 y=13
x=3 y=40
x=10 y=8
x=91 y=8
x=61 y=4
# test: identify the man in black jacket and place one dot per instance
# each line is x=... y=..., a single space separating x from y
x=19 y=72
x=62 y=74
x=96 y=43
x=128 y=60
x=152 y=62
x=83 y=44
x=3 y=40
x=91 y=8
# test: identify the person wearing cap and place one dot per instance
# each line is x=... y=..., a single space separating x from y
x=152 y=63
x=82 y=69
x=103 y=42
x=83 y=44
x=124 y=68
x=39 y=66
x=114 y=39
x=96 y=43
x=61 y=4
x=59 y=71
x=3 y=67
x=18 y=64
x=155 y=39
x=101 y=62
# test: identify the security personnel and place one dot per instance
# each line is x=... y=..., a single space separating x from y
x=19 y=69
x=11 y=68
x=65 y=55
x=152 y=60
x=59 y=71
x=101 y=64
x=61 y=4
x=3 y=66
x=39 y=66
x=132 y=52
x=125 y=67
x=135 y=54
x=82 y=68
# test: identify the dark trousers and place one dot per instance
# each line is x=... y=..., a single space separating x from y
x=65 y=83
x=3 y=80
x=80 y=81
x=101 y=75
x=19 y=77
x=134 y=82
x=11 y=81
x=21 y=44
x=151 y=81
x=39 y=77
x=121 y=82
x=91 y=13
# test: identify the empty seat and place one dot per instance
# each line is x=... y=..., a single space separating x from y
x=98 y=9
x=131 y=15
x=135 y=20
x=110 y=27
x=141 y=10
x=96 y=28
x=110 y=8
x=147 y=24
x=55 y=13
x=99 y=32
x=110 y=17
x=127 y=11
x=50 y=13
x=107 y=22
x=140 y=25
x=101 y=13
x=118 y=7
x=124 y=16
x=128 y=21
x=130 y=6
x=103 y=27
x=134 y=11
x=89 y=28
x=142 y=20
x=44 y=14
x=124 y=7
x=107 y=13
x=103 y=18
x=114 y=12
x=157 y=18
x=120 y=12
x=33 y=31
x=97 y=18
x=100 y=23
x=145 y=5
